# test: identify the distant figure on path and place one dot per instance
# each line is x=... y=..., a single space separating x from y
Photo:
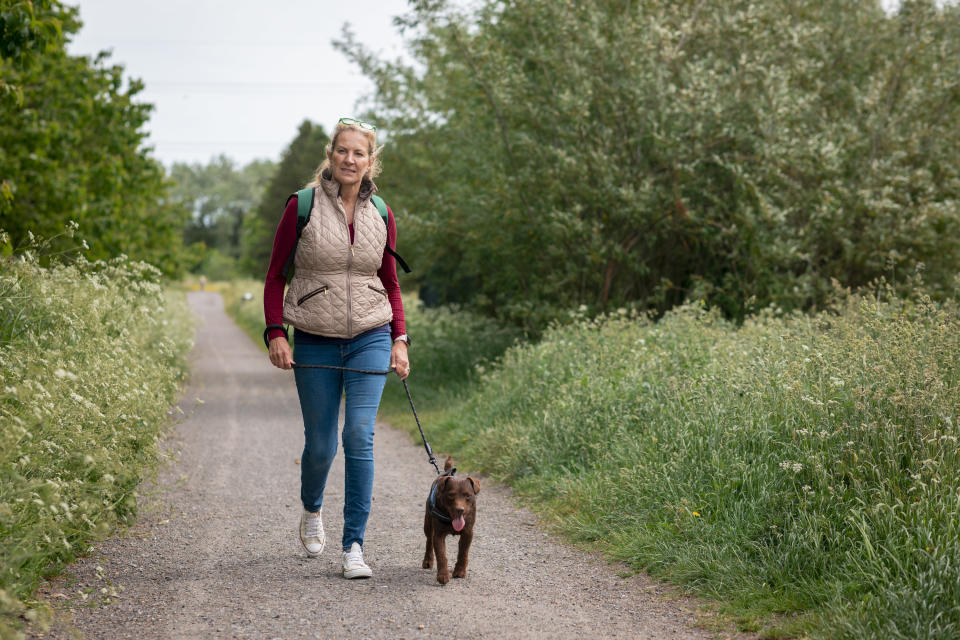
x=203 y=283
x=345 y=306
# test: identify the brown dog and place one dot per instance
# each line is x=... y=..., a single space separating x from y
x=451 y=510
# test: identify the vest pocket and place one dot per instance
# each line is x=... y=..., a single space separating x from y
x=382 y=292
x=315 y=292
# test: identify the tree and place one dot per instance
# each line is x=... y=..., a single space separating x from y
x=219 y=197
x=72 y=140
x=611 y=153
x=297 y=166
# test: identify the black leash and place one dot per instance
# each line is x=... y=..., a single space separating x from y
x=426 y=445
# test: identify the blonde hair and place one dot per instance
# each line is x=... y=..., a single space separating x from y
x=372 y=171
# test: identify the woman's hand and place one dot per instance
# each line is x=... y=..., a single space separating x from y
x=281 y=355
x=398 y=359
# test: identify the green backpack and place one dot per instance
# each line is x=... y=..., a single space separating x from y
x=305 y=204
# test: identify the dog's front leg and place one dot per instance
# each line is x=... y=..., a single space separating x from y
x=428 y=532
x=440 y=549
x=463 y=550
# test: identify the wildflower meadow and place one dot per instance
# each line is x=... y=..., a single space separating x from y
x=92 y=356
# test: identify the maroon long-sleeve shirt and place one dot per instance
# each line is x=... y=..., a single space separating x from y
x=283 y=244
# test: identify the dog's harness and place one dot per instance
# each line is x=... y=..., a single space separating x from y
x=432 y=500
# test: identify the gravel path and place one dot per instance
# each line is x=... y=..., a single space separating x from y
x=215 y=552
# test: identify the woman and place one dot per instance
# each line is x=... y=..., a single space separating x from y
x=345 y=306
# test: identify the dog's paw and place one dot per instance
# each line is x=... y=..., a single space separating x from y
x=459 y=573
x=427 y=563
x=443 y=578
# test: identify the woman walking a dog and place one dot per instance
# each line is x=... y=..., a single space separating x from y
x=345 y=306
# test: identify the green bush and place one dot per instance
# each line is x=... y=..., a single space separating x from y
x=545 y=154
x=450 y=350
x=92 y=356
x=74 y=144
x=794 y=464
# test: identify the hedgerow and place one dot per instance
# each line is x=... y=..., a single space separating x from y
x=92 y=355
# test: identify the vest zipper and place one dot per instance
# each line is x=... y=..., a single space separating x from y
x=350 y=279
x=350 y=255
x=349 y=294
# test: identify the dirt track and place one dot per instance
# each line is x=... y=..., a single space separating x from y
x=215 y=552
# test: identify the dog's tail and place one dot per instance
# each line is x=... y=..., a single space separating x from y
x=448 y=464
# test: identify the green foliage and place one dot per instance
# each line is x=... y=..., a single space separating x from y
x=549 y=154
x=793 y=464
x=451 y=349
x=243 y=301
x=70 y=145
x=220 y=197
x=92 y=355
x=297 y=166
x=26 y=33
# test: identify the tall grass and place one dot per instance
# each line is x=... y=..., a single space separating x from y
x=794 y=464
x=92 y=356
x=450 y=351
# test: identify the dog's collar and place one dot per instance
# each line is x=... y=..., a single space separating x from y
x=436 y=513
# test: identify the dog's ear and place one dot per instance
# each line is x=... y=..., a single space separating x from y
x=475 y=483
x=442 y=482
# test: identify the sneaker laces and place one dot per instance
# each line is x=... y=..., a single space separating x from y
x=355 y=557
x=313 y=526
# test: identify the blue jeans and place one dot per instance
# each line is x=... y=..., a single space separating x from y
x=320 y=391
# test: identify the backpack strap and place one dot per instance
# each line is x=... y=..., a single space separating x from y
x=304 y=205
x=382 y=208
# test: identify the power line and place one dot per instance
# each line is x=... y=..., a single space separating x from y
x=110 y=42
x=256 y=84
x=210 y=143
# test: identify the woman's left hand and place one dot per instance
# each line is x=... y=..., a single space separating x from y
x=398 y=359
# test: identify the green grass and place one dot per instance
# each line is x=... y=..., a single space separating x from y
x=243 y=301
x=92 y=356
x=801 y=470
x=795 y=464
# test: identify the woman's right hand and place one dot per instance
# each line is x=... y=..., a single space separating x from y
x=281 y=355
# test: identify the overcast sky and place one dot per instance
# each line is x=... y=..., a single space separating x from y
x=237 y=77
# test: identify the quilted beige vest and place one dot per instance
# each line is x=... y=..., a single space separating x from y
x=335 y=291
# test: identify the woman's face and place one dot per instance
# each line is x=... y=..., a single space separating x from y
x=350 y=157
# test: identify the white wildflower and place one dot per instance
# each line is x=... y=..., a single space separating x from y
x=789 y=465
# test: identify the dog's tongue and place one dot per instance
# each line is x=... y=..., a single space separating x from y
x=458 y=524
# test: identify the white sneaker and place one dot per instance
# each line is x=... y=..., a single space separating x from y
x=353 y=564
x=311 y=532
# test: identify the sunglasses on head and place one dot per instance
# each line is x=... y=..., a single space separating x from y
x=350 y=122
